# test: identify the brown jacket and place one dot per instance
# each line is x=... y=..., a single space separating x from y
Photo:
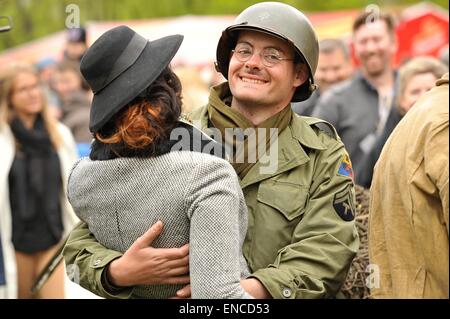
x=408 y=225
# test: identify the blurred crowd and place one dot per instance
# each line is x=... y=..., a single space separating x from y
x=373 y=84
x=364 y=103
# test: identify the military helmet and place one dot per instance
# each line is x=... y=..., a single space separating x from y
x=280 y=20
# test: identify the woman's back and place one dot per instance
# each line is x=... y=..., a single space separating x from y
x=197 y=197
x=141 y=174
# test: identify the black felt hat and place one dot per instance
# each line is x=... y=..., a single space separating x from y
x=119 y=66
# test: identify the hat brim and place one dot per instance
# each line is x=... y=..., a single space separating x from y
x=155 y=57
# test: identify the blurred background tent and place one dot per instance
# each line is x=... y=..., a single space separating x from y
x=422 y=30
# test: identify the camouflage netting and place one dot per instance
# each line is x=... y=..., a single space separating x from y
x=355 y=284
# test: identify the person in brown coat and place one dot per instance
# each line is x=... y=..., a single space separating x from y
x=408 y=223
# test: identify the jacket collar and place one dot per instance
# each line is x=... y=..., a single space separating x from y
x=443 y=80
x=290 y=151
x=359 y=77
x=302 y=132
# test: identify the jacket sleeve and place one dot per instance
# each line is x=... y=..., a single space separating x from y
x=218 y=215
x=325 y=240
x=436 y=162
x=68 y=156
x=86 y=259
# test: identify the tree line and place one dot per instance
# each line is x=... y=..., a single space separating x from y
x=36 y=18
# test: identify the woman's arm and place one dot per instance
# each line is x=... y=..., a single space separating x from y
x=218 y=215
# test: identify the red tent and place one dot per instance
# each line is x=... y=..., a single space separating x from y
x=423 y=30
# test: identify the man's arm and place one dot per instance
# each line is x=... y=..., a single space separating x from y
x=436 y=161
x=140 y=264
x=86 y=259
x=324 y=242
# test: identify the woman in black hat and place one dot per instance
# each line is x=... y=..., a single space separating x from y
x=144 y=167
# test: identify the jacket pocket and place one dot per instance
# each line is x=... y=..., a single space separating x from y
x=279 y=209
x=288 y=199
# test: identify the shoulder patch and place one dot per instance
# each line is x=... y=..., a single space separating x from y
x=322 y=125
x=345 y=168
x=344 y=204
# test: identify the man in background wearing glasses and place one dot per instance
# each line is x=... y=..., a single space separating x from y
x=301 y=235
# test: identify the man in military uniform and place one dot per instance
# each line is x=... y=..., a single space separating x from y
x=301 y=235
x=409 y=210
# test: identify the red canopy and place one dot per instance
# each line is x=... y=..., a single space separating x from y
x=422 y=31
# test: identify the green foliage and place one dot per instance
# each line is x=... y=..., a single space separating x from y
x=37 y=18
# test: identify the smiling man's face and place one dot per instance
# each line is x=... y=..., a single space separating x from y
x=254 y=84
x=375 y=47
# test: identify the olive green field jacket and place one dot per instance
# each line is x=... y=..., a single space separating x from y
x=301 y=236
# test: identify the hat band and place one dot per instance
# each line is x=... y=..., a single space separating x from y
x=125 y=60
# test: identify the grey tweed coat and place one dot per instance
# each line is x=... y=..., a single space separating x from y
x=197 y=197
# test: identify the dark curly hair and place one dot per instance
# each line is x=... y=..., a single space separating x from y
x=146 y=123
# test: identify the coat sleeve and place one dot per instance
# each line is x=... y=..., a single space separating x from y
x=436 y=162
x=218 y=215
x=325 y=240
x=378 y=254
x=86 y=259
x=68 y=156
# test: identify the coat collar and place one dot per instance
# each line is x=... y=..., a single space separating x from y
x=300 y=128
x=289 y=153
x=443 y=80
x=302 y=132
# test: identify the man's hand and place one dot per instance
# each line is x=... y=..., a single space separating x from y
x=145 y=265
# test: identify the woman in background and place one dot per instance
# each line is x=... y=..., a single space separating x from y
x=36 y=157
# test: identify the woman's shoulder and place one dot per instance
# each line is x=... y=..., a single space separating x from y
x=65 y=133
x=5 y=131
x=187 y=137
x=62 y=129
x=199 y=158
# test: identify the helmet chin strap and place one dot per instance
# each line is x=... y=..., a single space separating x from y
x=216 y=66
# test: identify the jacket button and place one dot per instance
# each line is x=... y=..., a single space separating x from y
x=97 y=262
x=287 y=292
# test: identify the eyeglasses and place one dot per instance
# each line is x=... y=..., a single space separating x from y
x=26 y=89
x=269 y=56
